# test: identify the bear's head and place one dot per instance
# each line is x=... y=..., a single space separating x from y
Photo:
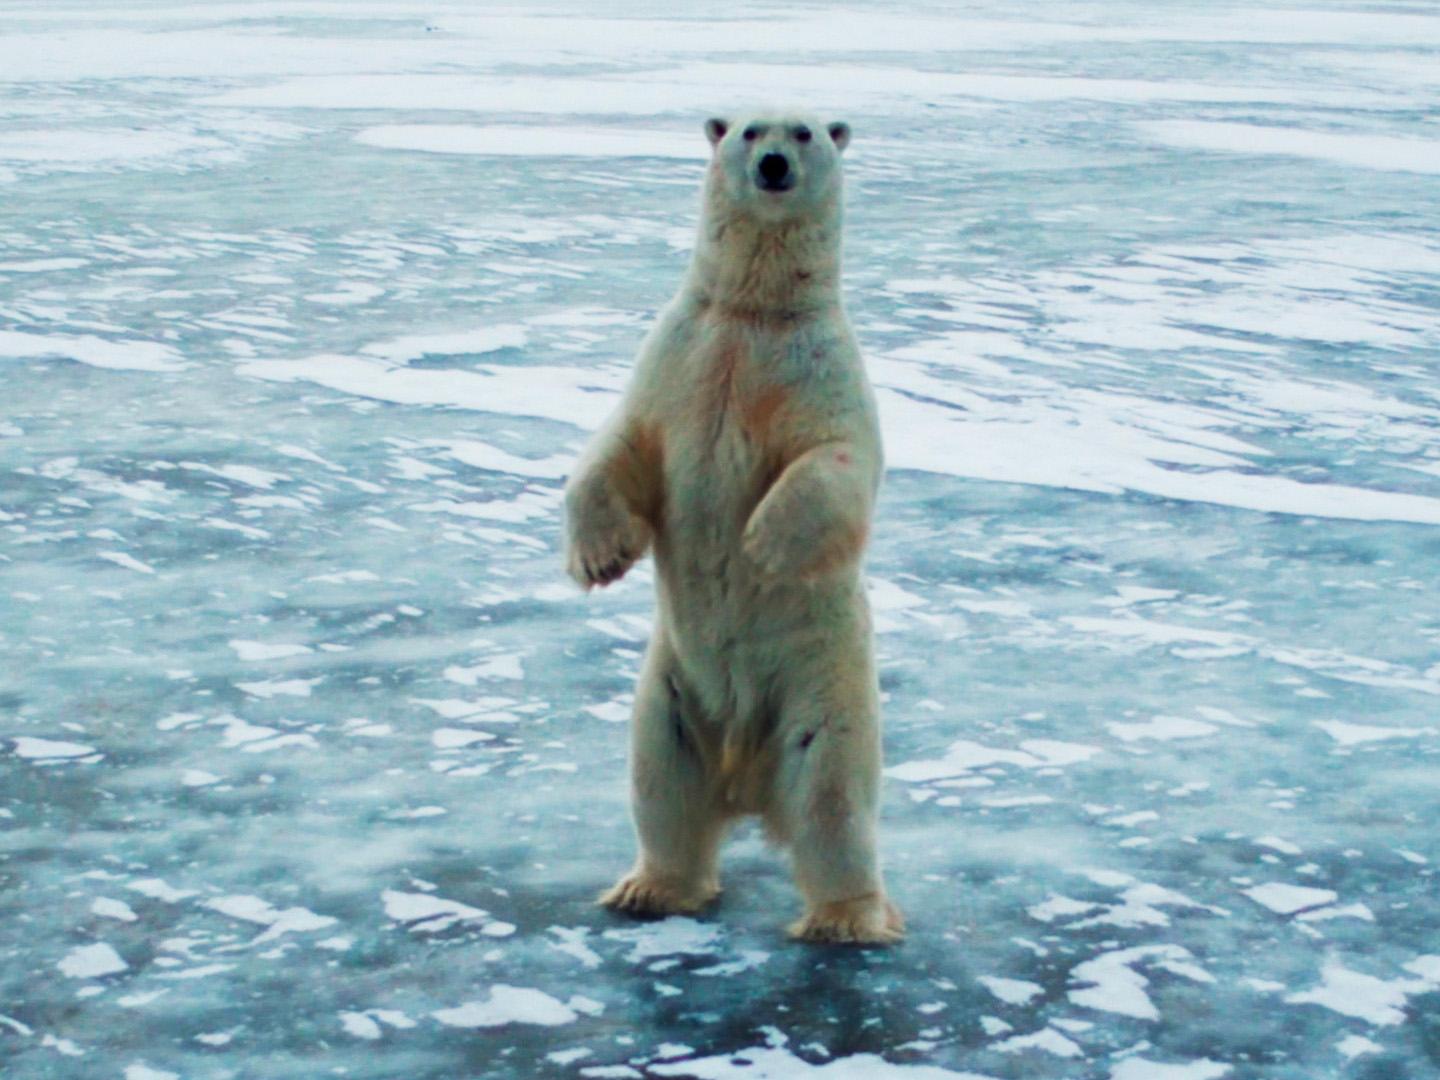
x=776 y=166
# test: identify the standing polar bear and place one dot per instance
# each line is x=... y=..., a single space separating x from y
x=746 y=452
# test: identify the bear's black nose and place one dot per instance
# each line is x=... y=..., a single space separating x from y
x=774 y=168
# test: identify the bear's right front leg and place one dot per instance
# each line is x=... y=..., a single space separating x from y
x=679 y=819
x=605 y=533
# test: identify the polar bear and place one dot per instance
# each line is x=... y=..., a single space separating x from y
x=746 y=454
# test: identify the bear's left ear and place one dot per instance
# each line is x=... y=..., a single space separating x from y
x=715 y=129
x=840 y=135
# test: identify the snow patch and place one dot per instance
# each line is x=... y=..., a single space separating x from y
x=669 y=937
x=509 y=1005
x=1011 y=991
x=91 y=962
x=485 y=339
x=1348 y=734
x=1117 y=987
x=1138 y=1068
x=259 y=651
x=122 y=355
x=27 y=746
x=277 y=921
x=965 y=755
x=1374 y=1000
x=1047 y=1039
x=426 y=914
x=777 y=1063
x=1286 y=899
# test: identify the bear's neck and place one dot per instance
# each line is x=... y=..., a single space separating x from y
x=767 y=269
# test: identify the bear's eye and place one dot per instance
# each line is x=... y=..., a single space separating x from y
x=802 y=134
x=750 y=134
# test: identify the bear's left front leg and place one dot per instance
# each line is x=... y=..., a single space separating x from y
x=816 y=516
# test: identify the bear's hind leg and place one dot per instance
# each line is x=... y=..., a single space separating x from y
x=825 y=806
x=678 y=816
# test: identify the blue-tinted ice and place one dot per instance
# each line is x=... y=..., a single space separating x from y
x=311 y=761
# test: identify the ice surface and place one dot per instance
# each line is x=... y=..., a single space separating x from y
x=311 y=760
x=530 y=142
x=1363 y=151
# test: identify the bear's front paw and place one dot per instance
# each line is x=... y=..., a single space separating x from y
x=865 y=920
x=602 y=549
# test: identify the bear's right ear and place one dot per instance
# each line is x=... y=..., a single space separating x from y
x=715 y=129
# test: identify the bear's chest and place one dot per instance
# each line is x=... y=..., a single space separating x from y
x=733 y=426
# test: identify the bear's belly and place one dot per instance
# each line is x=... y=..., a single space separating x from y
x=712 y=486
x=731 y=629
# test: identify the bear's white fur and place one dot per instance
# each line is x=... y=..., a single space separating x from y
x=746 y=453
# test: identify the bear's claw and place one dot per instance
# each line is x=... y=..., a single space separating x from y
x=605 y=555
x=590 y=567
x=865 y=920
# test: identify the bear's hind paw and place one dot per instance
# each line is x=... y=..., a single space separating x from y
x=648 y=897
x=865 y=920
